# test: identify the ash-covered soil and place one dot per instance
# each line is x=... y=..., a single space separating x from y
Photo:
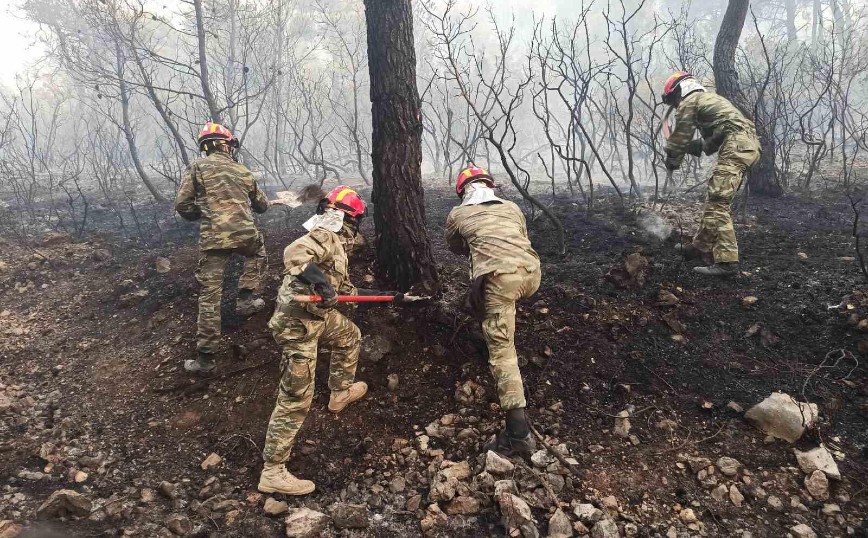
x=93 y=398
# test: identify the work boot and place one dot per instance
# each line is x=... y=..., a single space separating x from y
x=516 y=438
x=690 y=252
x=201 y=365
x=342 y=398
x=721 y=269
x=276 y=479
x=507 y=445
x=248 y=304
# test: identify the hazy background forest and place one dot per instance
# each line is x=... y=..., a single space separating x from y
x=105 y=119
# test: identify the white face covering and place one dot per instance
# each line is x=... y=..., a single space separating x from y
x=689 y=86
x=479 y=193
x=331 y=219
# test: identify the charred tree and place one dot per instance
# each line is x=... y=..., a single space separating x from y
x=762 y=179
x=210 y=100
x=403 y=249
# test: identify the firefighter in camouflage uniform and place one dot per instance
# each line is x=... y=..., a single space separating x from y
x=315 y=263
x=222 y=195
x=504 y=269
x=726 y=131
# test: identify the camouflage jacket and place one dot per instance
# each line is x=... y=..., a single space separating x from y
x=324 y=249
x=220 y=193
x=495 y=236
x=713 y=115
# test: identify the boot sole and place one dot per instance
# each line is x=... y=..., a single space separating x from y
x=297 y=493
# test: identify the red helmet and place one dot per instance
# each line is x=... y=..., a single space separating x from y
x=215 y=131
x=344 y=199
x=672 y=88
x=470 y=175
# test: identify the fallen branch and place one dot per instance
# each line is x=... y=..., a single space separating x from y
x=688 y=443
x=563 y=461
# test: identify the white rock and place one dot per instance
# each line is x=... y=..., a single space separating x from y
x=306 y=523
x=517 y=515
x=688 y=516
x=504 y=486
x=803 y=531
x=542 y=459
x=775 y=502
x=497 y=464
x=781 y=416
x=735 y=496
x=817 y=485
x=728 y=466
x=622 y=425
x=273 y=507
x=818 y=459
x=831 y=509
x=211 y=461
x=605 y=528
x=559 y=525
x=719 y=493
x=588 y=513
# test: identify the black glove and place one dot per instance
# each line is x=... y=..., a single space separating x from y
x=316 y=279
x=694 y=147
x=712 y=144
x=328 y=294
x=671 y=166
x=476 y=296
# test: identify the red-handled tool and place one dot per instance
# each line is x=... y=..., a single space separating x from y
x=360 y=298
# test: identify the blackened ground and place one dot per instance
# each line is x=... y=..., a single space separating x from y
x=583 y=341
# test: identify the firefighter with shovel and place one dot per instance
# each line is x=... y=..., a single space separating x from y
x=727 y=132
x=316 y=271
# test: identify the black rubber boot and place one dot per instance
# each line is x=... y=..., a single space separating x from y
x=202 y=365
x=516 y=438
x=690 y=252
x=723 y=269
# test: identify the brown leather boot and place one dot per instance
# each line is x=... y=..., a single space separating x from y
x=276 y=479
x=341 y=398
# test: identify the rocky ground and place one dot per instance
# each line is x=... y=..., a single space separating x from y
x=643 y=381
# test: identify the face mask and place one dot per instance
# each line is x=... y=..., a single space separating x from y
x=330 y=219
x=479 y=193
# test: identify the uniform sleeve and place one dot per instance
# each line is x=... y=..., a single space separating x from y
x=258 y=200
x=311 y=248
x=453 y=237
x=185 y=200
x=685 y=127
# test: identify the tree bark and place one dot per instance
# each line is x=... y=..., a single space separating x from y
x=761 y=179
x=213 y=109
x=403 y=248
x=128 y=128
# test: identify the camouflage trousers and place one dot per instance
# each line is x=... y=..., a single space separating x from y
x=299 y=333
x=212 y=265
x=498 y=327
x=716 y=231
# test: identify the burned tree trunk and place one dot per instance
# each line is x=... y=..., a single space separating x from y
x=403 y=248
x=762 y=179
x=213 y=109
